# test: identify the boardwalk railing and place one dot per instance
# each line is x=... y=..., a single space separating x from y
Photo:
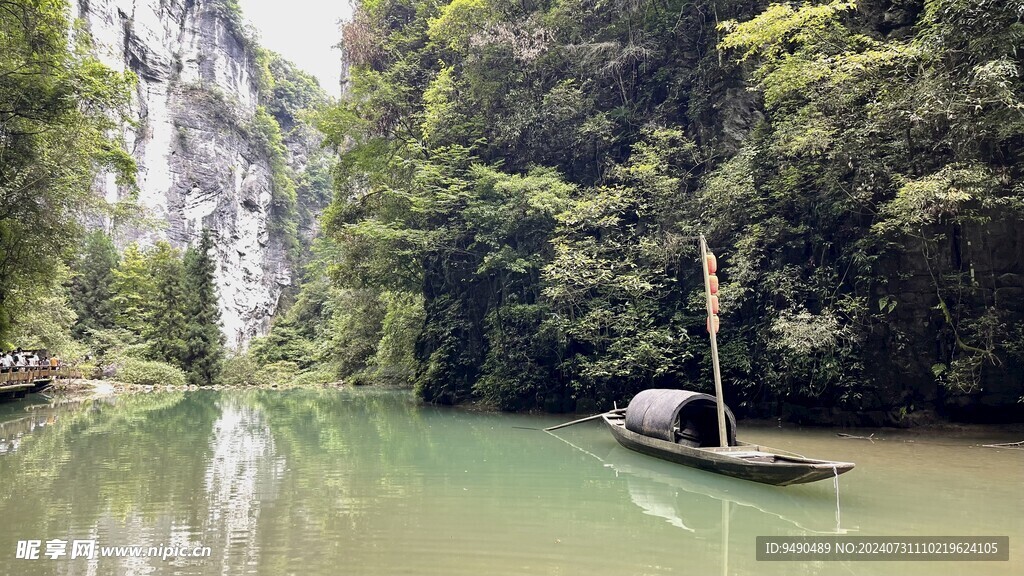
x=33 y=375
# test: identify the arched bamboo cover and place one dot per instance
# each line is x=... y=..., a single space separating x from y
x=679 y=416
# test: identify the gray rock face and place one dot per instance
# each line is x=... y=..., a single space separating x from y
x=200 y=165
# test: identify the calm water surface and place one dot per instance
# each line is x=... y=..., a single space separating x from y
x=368 y=482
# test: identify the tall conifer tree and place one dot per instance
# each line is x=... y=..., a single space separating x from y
x=134 y=291
x=204 y=346
x=92 y=287
x=167 y=328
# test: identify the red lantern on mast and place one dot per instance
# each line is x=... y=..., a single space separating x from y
x=710 y=267
x=713 y=320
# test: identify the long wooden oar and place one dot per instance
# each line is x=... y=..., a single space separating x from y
x=587 y=419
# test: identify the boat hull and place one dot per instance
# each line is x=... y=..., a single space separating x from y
x=785 y=468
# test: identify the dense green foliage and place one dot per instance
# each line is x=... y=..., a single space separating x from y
x=159 y=311
x=881 y=161
x=333 y=333
x=538 y=171
x=58 y=105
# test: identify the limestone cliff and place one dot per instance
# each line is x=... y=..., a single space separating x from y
x=203 y=156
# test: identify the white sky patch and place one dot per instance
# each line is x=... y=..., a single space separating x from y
x=303 y=31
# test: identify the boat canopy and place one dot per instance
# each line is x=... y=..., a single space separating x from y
x=680 y=416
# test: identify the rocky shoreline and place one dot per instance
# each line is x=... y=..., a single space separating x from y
x=87 y=388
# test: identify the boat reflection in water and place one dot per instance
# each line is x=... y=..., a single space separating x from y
x=707 y=505
x=687 y=499
x=690 y=499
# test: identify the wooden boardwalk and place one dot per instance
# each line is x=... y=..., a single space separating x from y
x=17 y=383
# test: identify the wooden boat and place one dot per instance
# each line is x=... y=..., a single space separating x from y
x=739 y=460
x=699 y=430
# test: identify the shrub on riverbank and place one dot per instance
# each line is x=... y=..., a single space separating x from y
x=150 y=373
x=245 y=370
x=313 y=378
x=242 y=370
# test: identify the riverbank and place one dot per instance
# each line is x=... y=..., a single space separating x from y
x=85 y=388
x=81 y=389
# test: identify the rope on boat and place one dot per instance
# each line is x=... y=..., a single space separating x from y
x=578 y=448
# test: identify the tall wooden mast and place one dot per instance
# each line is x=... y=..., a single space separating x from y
x=712 y=324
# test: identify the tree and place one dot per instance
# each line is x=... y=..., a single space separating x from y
x=166 y=331
x=614 y=281
x=92 y=287
x=134 y=290
x=45 y=318
x=59 y=110
x=204 y=351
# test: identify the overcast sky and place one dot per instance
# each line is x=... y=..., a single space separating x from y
x=303 y=31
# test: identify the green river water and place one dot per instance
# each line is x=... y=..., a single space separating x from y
x=369 y=482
